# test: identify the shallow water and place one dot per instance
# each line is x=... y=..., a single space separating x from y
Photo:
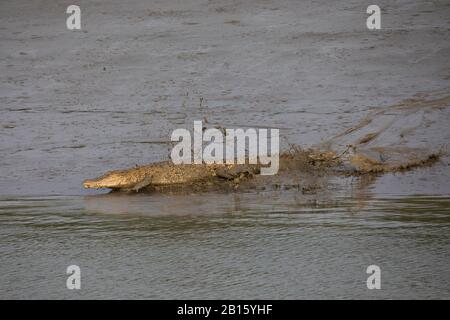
x=268 y=244
x=76 y=104
x=225 y=246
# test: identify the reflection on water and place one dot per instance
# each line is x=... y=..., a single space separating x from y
x=277 y=244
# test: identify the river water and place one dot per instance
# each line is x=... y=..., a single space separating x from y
x=76 y=104
x=225 y=246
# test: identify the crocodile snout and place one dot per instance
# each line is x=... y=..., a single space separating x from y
x=89 y=184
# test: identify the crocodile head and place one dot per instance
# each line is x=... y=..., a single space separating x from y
x=112 y=180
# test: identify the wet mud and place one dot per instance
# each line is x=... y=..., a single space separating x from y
x=381 y=150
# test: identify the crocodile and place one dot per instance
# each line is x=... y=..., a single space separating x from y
x=311 y=161
x=166 y=173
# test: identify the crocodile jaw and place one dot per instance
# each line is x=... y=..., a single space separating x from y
x=111 y=180
x=91 y=184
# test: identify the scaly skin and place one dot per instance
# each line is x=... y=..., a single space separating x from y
x=166 y=173
x=161 y=174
